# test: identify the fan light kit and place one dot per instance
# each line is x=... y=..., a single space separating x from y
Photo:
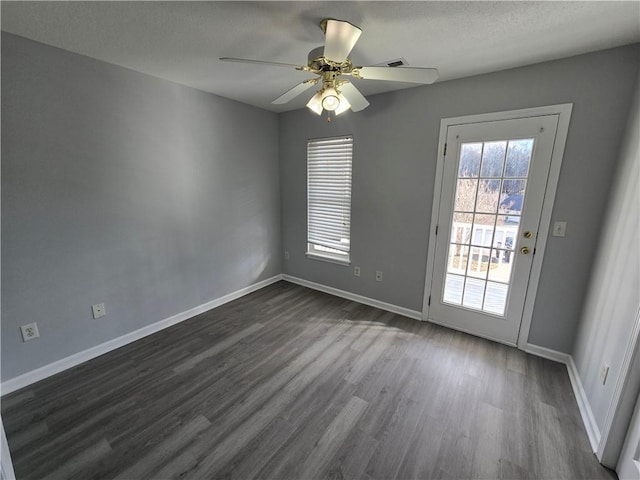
x=331 y=62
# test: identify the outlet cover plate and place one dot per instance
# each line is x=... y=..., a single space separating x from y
x=98 y=310
x=29 y=332
x=378 y=276
x=356 y=271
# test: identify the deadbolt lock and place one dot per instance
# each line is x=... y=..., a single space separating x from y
x=525 y=250
x=527 y=234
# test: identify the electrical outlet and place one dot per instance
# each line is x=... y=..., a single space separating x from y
x=378 y=276
x=29 y=332
x=356 y=271
x=604 y=373
x=286 y=255
x=98 y=310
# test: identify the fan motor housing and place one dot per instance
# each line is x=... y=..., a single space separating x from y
x=316 y=61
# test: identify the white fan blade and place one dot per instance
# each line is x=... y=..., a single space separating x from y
x=400 y=74
x=260 y=62
x=295 y=91
x=354 y=97
x=340 y=38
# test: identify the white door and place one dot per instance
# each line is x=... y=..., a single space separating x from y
x=494 y=180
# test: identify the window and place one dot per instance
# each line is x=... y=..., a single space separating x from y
x=329 y=198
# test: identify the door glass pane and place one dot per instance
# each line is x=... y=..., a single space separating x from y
x=483 y=226
x=513 y=195
x=474 y=293
x=495 y=299
x=490 y=193
x=458 y=258
x=512 y=199
x=493 y=159
x=454 y=285
x=518 y=158
x=461 y=228
x=470 y=155
x=466 y=195
x=488 y=196
x=500 y=270
x=507 y=227
x=478 y=264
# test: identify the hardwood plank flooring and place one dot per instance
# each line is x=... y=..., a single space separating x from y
x=290 y=383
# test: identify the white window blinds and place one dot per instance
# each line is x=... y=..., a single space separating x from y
x=329 y=195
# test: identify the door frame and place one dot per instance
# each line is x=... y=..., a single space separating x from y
x=564 y=115
x=6 y=466
x=625 y=397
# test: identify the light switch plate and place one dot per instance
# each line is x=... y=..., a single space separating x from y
x=559 y=229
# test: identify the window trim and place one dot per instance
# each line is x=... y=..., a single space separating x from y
x=321 y=252
x=315 y=254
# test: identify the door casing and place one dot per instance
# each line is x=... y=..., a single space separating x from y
x=564 y=115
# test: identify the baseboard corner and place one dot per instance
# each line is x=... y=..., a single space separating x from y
x=588 y=419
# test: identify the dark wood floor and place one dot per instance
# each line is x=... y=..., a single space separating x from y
x=289 y=383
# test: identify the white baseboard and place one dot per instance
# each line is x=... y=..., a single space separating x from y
x=588 y=418
x=58 y=366
x=593 y=432
x=547 y=353
x=355 y=297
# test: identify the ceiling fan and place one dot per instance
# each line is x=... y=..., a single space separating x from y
x=331 y=63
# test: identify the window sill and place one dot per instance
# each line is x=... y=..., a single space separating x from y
x=329 y=258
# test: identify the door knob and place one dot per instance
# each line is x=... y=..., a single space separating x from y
x=525 y=250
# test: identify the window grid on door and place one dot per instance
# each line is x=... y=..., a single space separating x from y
x=490 y=191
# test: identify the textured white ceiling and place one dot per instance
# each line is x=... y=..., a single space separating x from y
x=182 y=41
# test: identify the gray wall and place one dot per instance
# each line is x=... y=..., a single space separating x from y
x=395 y=146
x=613 y=299
x=121 y=188
x=154 y=198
